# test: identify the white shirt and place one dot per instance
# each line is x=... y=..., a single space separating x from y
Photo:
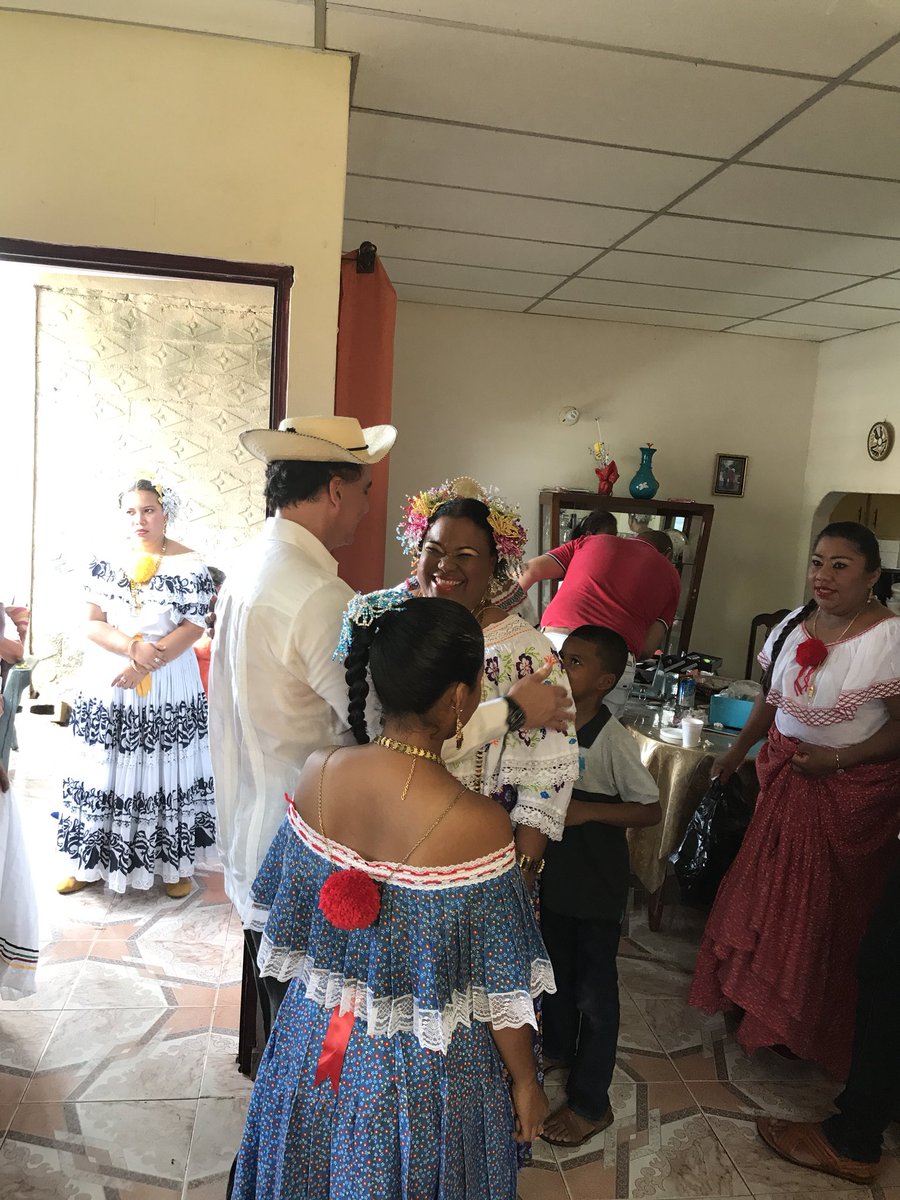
x=849 y=689
x=275 y=693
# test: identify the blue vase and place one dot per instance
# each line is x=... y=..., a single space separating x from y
x=644 y=486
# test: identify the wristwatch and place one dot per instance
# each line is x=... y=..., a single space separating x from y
x=515 y=715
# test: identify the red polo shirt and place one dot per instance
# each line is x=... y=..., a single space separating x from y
x=622 y=583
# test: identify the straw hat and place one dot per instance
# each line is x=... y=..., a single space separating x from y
x=320 y=439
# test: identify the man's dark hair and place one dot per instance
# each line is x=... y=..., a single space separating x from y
x=658 y=539
x=289 y=482
x=611 y=647
x=598 y=521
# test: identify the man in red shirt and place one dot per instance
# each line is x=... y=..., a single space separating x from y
x=625 y=584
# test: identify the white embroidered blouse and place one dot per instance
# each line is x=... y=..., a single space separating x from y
x=541 y=765
x=849 y=689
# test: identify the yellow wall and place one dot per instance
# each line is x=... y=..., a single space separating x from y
x=478 y=393
x=148 y=139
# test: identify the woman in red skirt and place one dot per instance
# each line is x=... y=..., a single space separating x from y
x=783 y=936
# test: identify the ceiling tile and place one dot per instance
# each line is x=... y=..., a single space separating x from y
x=879 y=292
x=630 y=316
x=291 y=24
x=716 y=276
x=467 y=248
x=784 y=329
x=799 y=199
x=400 y=148
x=637 y=295
x=459 y=299
x=519 y=83
x=885 y=69
x=482 y=212
x=738 y=242
x=473 y=279
x=848 y=316
x=855 y=130
x=803 y=35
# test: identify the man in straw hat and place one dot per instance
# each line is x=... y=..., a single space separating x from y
x=276 y=694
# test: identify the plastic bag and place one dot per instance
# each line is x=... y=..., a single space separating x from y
x=713 y=838
x=742 y=689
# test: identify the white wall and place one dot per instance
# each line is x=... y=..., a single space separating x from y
x=151 y=139
x=858 y=384
x=478 y=393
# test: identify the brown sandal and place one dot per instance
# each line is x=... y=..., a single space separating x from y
x=804 y=1143
x=574 y=1142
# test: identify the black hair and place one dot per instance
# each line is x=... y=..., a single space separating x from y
x=414 y=653
x=863 y=540
x=289 y=482
x=599 y=521
x=611 y=647
x=473 y=510
x=139 y=485
x=217 y=576
x=658 y=539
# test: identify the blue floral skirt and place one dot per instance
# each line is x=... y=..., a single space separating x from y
x=406 y=1122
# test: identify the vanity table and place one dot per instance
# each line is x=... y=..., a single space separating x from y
x=689 y=524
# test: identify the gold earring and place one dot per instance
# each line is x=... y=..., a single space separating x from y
x=459 y=731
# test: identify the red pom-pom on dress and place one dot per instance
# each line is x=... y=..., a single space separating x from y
x=809 y=656
x=350 y=899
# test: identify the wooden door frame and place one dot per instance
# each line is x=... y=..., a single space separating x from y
x=178 y=266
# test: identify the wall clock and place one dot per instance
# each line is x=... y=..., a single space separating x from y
x=880 y=440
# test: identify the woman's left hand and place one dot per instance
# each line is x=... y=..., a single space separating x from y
x=129 y=678
x=814 y=760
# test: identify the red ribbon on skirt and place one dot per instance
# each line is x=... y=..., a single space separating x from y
x=331 y=1058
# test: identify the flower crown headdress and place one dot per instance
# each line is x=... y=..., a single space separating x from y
x=509 y=532
x=169 y=499
x=365 y=609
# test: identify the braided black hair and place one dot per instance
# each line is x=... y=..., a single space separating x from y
x=866 y=544
x=414 y=653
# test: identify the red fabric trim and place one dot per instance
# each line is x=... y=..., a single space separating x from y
x=476 y=871
x=844 y=710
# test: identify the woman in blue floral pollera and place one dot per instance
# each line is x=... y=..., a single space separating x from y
x=392 y=900
x=138 y=799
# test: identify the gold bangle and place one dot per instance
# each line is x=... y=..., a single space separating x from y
x=527 y=863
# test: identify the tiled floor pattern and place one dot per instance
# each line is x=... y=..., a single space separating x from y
x=117 y=1080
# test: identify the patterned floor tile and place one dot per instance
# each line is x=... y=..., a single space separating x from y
x=542 y=1181
x=6 y=1116
x=732 y=1110
x=221 y=1077
x=96 y=1151
x=659 y=1146
x=139 y=974
x=640 y=1057
x=123 y=1054
x=217 y=1135
x=23 y=1036
x=645 y=978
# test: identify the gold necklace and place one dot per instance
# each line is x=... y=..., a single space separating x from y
x=811 y=689
x=405 y=748
x=142 y=577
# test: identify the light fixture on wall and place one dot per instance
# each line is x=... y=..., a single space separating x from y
x=569 y=415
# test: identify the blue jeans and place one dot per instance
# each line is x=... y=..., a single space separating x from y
x=581 y=1019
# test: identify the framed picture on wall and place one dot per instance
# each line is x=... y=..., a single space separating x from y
x=730 y=475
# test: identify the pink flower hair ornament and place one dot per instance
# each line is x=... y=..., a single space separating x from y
x=506 y=525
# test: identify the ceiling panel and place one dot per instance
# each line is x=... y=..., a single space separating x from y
x=855 y=130
x=400 y=148
x=802 y=35
x=716 y=276
x=638 y=295
x=519 y=83
x=738 y=242
x=481 y=212
x=885 y=69
x=632 y=316
x=471 y=248
x=473 y=279
x=784 y=329
x=460 y=299
x=796 y=198
x=880 y=292
x=848 y=316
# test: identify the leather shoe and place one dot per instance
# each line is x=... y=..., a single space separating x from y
x=805 y=1143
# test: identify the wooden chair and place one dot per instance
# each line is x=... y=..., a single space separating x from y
x=767 y=622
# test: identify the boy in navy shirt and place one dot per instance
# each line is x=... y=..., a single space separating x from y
x=585 y=889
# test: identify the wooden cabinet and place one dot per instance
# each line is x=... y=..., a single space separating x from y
x=689 y=524
x=880 y=512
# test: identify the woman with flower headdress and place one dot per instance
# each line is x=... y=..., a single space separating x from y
x=138 y=800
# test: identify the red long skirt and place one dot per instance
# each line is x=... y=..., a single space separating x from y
x=782 y=939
